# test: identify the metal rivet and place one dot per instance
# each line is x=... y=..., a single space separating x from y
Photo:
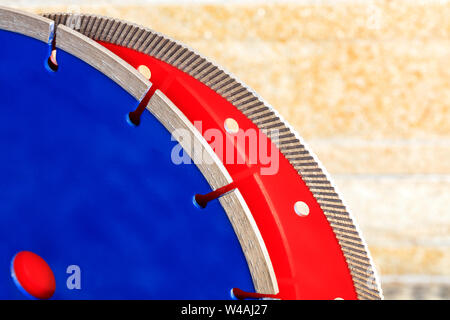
x=301 y=209
x=145 y=71
x=231 y=126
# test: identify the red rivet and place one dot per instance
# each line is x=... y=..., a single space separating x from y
x=33 y=275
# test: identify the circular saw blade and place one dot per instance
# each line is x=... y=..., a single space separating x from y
x=153 y=44
x=82 y=188
x=322 y=256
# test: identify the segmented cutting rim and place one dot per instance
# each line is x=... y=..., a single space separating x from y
x=290 y=144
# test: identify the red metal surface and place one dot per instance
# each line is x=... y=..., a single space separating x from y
x=304 y=251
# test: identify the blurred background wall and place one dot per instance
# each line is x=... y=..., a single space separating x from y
x=366 y=83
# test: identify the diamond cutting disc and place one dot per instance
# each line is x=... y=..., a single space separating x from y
x=88 y=192
x=131 y=181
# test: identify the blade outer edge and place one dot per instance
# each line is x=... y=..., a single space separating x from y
x=28 y=24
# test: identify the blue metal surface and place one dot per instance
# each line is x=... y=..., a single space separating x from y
x=80 y=186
